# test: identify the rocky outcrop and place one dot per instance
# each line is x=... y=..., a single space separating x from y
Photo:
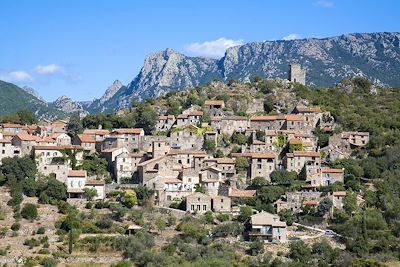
x=32 y=92
x=67 y=105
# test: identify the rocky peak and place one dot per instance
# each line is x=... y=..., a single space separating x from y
x=67 y=105
x=32 y=92
x=111 y=90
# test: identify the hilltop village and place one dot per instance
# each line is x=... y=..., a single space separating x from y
x=195 y=165
x=259 y=171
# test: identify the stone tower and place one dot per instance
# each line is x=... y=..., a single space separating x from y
x=297 y=74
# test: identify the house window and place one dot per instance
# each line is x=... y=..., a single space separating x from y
x=198 y=199
x=3 y=152
x=192 y=207
x=204 y=207
x=258 y=166
x=222 y=200
x=169 y=198
x=190 y=180
x=198 y=207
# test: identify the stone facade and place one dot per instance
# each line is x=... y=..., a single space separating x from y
x=297 y=74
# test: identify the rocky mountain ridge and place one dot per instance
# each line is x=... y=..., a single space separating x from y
x=327 y=62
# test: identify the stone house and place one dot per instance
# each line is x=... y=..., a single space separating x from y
x=76 y=180
x=86 y=141
x=295 y=122
x=214 y=104
x=176 y=190
x=338 y=199
x=198 y=202
x=165 y=123
x=99 y=186
x=186 y=138
x=312 y=115
x=26 y=142
x=268 y=227
x=225 y=165
x=262 y=165
x=191 y=118
x=53 y=159
x=125 y=164
x=7 y=150
x=131 y=137
x=269 y=122
x=231 y=124
x=330 y=176
x=110 y=155
x=221 y=204
x=62 y=139
x=13 y=128
x=210 y=179
x=98 y=134
x=187 y=158
x=113 y=142
x=298 y=160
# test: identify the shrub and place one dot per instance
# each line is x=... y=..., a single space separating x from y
x=40 y=231
x=104 y=224
x=15 y=227
x=29 y=212
x=33 y=242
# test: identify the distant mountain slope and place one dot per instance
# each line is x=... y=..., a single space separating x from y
x=14 y=98
x=327 y=61
x=108 y=102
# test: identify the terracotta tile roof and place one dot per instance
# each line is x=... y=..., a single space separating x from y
x=9 y=134
x=214 y=103
x=86 y=138
x=28 y=137
x=265 y=218
x=303 y=154
x=225 y=161
x=270 y=133
x=295 y=141
x=96 y=131
x=331 y=170
x=5 y=141
x=196 y=113
x=235 y=118
x=172 y=181
x=76 y=173
x=294 y=117
x=242 y=193
x=166 y=117
x=186 y=151
x=264 y=118
x=304 y=109
x=13 y=125
x=216 y=118
x=128 y=131
x=339 y=193
x=182 y=116
x=263 y=156
x=94 y=182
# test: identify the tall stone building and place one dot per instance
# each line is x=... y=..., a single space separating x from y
x=297 y=74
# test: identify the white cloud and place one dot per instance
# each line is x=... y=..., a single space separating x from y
x=325 y=3
x=292 y=36
x=214 y=49
x=49 y=69
x=16 y=76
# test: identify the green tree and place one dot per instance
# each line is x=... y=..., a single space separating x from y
x=239 y=139
x=129 y=199
x=259 y=182
x=283 y=177
x=199 y=188
x=245 y=214
x=29 y=212
x=350 y=202
x=208 y=218
x=27 y=117
x=146 y=118
x=219 y=154
x=300 y=252
x=90 y=193
x=209 y=146
x=242 y=164
x=74 y=126
x=324 y=206
x=161 y=224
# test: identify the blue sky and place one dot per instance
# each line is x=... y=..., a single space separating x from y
x=79 y=47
